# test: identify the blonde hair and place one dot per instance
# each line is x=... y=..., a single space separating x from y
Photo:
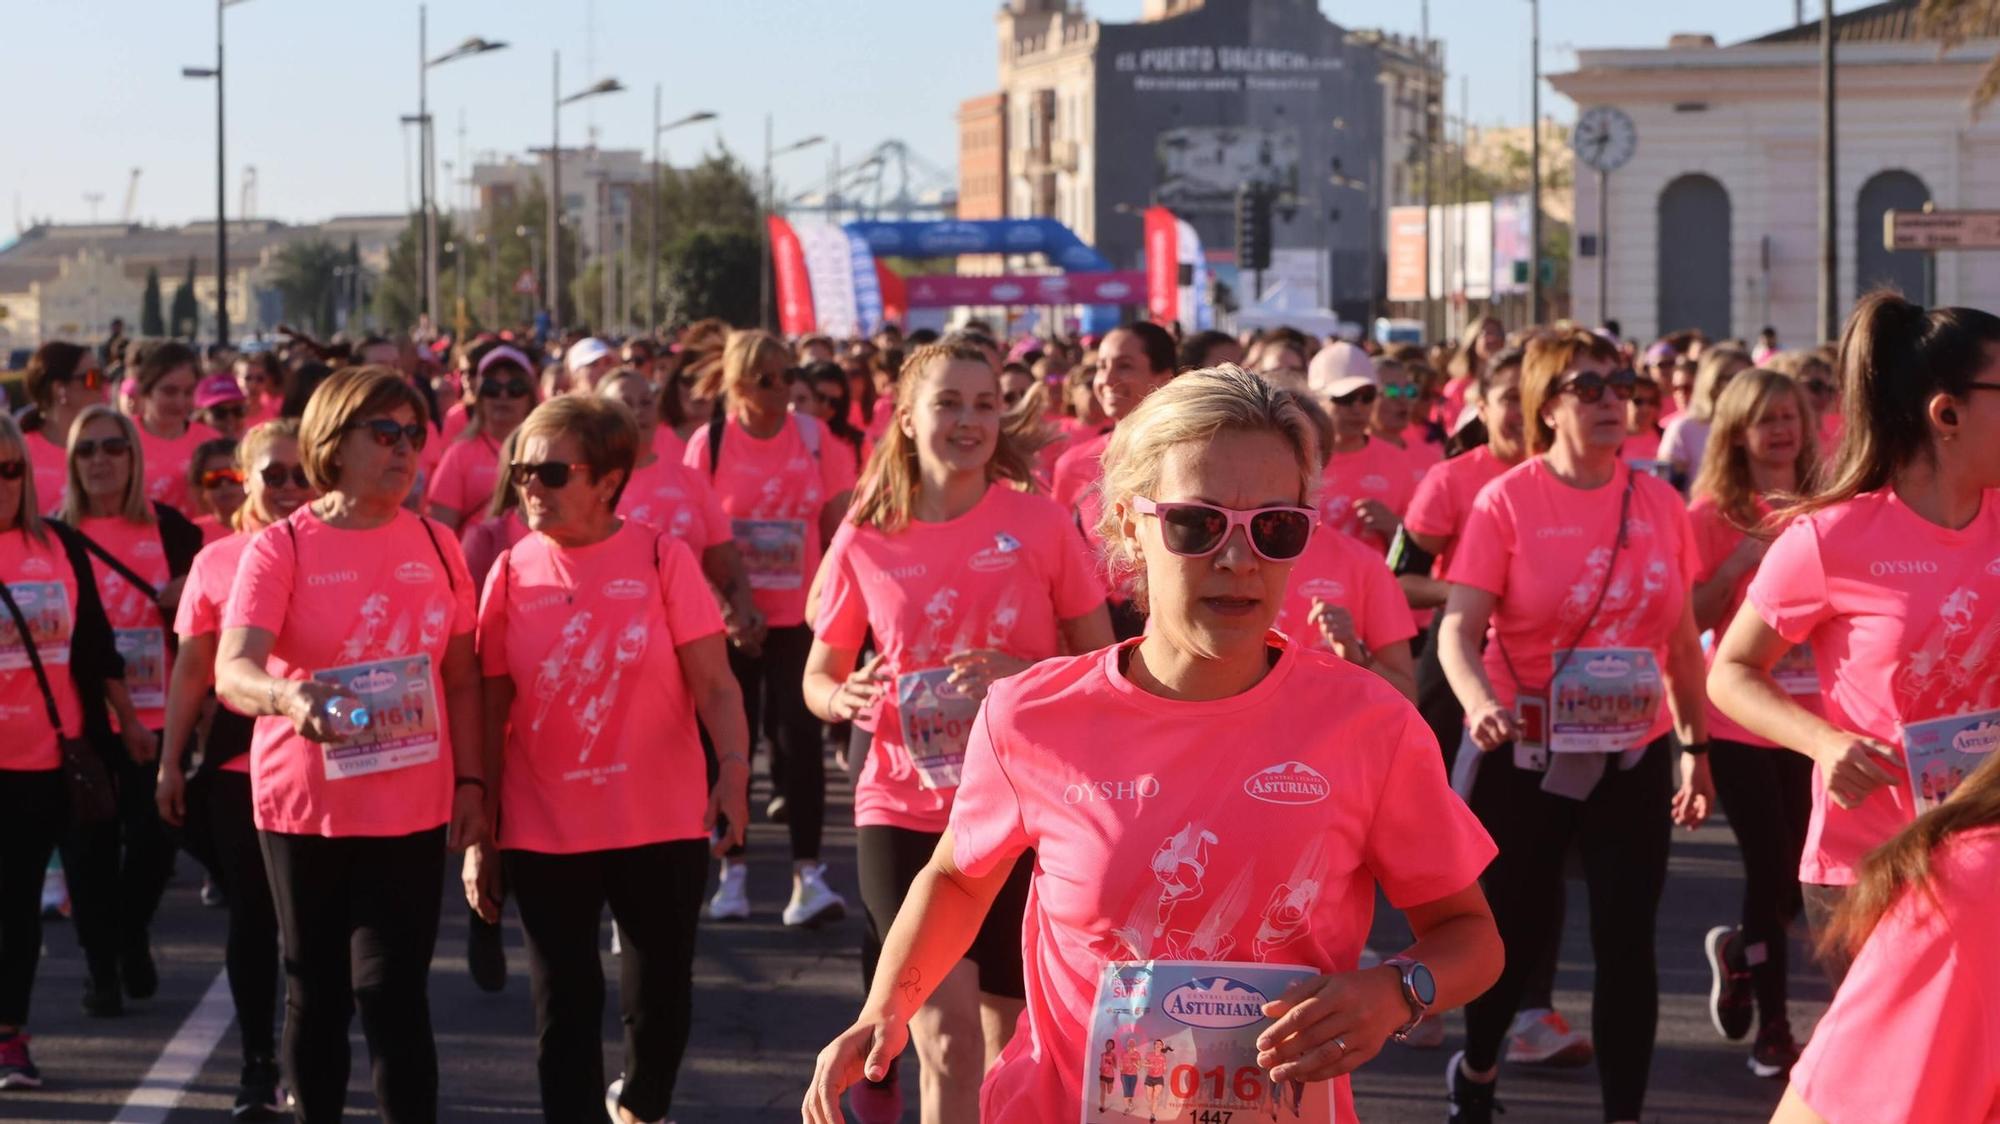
x=890 y=482
x=349 y=394
x=1709 y=372
x=29 y=518
x=742 y=354
x=1725 y=469
x=254 y=444
x=133 y=506
x=1193 y=409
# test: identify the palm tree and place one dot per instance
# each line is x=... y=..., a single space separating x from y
x=1952 y=22
x=307 y=284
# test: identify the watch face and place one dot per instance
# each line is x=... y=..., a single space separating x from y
x=1423 y=984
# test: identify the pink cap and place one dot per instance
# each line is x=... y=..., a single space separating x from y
x=216 y=390
x=1339 y=370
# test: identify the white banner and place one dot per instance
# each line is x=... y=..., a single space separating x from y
x=830 y=268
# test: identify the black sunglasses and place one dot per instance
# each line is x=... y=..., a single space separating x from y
x=225 y=411
x=13 y=470
x=275 y=475
x=1363 y=397
x=552 y=474
x=386 y=433
x=1589 y=388
x=112 y=446
x=512 y=388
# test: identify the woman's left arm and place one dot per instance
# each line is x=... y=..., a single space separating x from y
x=463 y=706
x=719 y=703
x=1687 y=696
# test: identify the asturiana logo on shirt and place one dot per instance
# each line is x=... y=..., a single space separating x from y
x=625 y=589
x=1287 y=782
x=414 y=573
x=333 y=577
x=1896 y=567
x=1608 y=667
x=993 y=559
x=1218 y=1003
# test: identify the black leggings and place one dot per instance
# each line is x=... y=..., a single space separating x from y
x=359 y=917
x=888 y=861
x=118 y=869
x=1767 y=795
x=798 y=765
x=252 y=956
x=655 y=896
x=34 y=809
x=1622 y=830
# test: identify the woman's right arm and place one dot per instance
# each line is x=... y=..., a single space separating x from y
x=1466 y=614
x=242 y=682
x=933 y=929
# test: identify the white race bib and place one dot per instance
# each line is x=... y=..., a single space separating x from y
x=1942 y=752
x=402 y=717
x=1604 y=700
x=774 y=551
x=45 y=606
x=937 y=721
x=144 y=651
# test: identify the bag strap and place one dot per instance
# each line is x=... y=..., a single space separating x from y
x=1604 y=587
x=122 y=569
x=716 y=427
x=34 y=658
x=449 y=581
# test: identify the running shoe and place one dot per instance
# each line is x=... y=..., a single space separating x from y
x=55 y=894
x=1775 y=1052
x=1470 y=1102
x=142 y=976
x=211 y=894
x=17 y=1069
x=874 y=1103
x=257 y=1097
x=732 y=894
x=775 y=810
x=612 y=1094
x=103 y=997
x=1732 y=1005
x=1543 y=1037
x=813 y=903
x=484 y=954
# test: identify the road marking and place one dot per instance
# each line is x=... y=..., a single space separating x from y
x=181 y=1062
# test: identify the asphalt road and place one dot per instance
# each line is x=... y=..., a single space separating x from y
x=768 y=998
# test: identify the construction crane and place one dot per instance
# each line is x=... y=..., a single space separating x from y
x=93 y=198
x=131 y=197
x=864 y=186
x=247 y=206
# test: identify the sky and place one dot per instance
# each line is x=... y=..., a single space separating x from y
x=316 y=89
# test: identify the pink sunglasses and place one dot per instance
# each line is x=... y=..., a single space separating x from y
x=1197 y=530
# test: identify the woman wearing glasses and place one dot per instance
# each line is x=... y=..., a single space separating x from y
x=219 y=405
x=504 y=381
x=216 y=483
x=166 y=372
x=963 y=578
x=1151 y=846
x=1368 y=481
x=62 y=380
x=1399 y=385
x=274 y=487
x=600 y=645
x=784 y=485
x=354 y=604
x=1581 y=568
x=139 y=552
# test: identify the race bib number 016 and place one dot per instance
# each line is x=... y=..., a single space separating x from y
x=402 y=717
x=937 y=722
x=1941 y=753
x=1604 y=700
x=1177 y=1040
x=774 y=551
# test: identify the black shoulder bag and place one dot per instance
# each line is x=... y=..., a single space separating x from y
x=91 y=796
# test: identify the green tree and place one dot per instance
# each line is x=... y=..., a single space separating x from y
x=152 y=320
x=186 y=312
x=708 y=242
x=1953 y=22
x=308 y=285
x=711 y=272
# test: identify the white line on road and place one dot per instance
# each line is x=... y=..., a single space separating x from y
x=181 y=1062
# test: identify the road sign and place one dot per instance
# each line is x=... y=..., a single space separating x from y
x=1941 y=230
x=525 y=284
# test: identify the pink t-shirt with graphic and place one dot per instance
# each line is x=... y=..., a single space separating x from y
x=602 y=750
x=203 y=596
x=667 y=495
x=40 y=580
x=167 y=461
x=1443 y=501
x=464 y=479
x=773 y=490
x=1151 y=841
x=51 y=467
x=1002 y=576
x=1544 y=549
x=334 y=598
x=1339 y=570
x=1716 y=538
x=1377 y=471
x=1913 y=1032
x=1904 y=620
x=137 y=621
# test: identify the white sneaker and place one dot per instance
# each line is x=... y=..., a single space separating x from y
x=732 y=894
x=1544 y=1037
x=813 y=904
x=611 y=1095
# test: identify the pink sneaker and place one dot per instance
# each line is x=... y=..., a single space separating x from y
x=876 y=1104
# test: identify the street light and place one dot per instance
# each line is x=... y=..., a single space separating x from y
x=602 y=86
x=221 y=175
x=764 y=227
x=426 y=174
x=653 y=231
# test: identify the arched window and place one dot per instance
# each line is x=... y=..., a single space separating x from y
x=1694 y=256
x=1875 y=266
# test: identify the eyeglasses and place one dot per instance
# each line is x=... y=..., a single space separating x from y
x=1589 y=388
x=1197 y=530
x=1394 y=392
x=275 y=475
x=225 y=412
x=552 y=474
x=1363 y=397
x=386 y=433
x=1651 y=402
x=512 y=388
x=13 y=470
x=110 y=446
x=1819 y=386
x=216 y=477
x=91 y=379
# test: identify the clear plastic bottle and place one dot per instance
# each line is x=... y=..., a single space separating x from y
x=347 y=716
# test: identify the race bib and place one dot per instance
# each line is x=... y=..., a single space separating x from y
x=774 y=551
x=1796 y=673
x=1177 y=1040
x=1944 y=751
x=402 y=717
x=45 y=606
x=1603 y=701
x=937 y=720
x=144 y=651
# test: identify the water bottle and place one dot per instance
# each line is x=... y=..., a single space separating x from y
x=347 y=716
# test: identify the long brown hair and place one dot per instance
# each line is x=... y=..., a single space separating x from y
x=890 y=483
x=1725 y=467
x=1903 y=864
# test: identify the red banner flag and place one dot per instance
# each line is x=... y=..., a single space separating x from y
x=788 y=267
x=1163 y=265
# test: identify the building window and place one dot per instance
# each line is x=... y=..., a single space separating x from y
x=1874 y=266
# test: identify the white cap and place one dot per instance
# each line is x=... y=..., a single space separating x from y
x=1339 y=370
x=584 y=352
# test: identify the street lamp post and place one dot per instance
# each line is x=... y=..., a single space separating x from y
x=426 y=173
x=1535 y=163
x=1829 y=149
x=602 y=86
x=653 y=225
x=221 y=177
x=764 y=227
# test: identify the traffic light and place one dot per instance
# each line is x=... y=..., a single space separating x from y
x=1253 y=227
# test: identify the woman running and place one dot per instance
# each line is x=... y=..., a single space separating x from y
x=1107 y=1074
x=963 y=579
x=1206 y=493
x=505 y=385
x=164 y=376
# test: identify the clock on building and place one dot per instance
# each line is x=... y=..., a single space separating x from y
x=1605 y=138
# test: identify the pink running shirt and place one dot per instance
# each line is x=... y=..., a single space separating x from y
x=39 y=578
x=1378 y=471
x=773 y=490
x=1904 y=620
x=602 y=750
x=667 y=495
x=1914 y=1030
x=203 y=596
x=1341 y=571
x=137 y=622
x=50 y=462
x=1443 y=501
x=167 y=461
x=1003 y=575
x=1715 y=538
x=333 y=598
x=1075 y=490
x=464 y=479
x=1152 y=843
x=484 y=539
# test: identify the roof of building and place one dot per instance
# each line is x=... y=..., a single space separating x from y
x=1892 y=22
x=39 y=251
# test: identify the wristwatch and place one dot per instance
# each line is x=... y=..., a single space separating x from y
x=1419 y=991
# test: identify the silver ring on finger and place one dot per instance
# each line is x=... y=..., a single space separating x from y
x=1341 y=1042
